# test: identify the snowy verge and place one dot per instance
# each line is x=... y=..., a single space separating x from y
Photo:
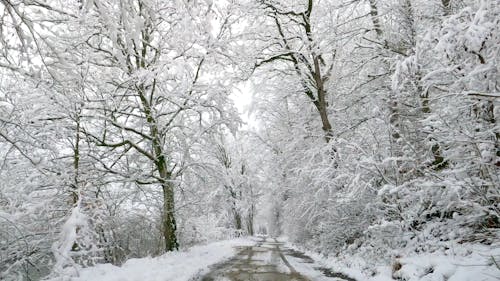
x=464 y=262
x=173 y=266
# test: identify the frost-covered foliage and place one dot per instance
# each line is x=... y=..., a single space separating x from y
x=376 y=128
x=107 y=111
x=413 y=102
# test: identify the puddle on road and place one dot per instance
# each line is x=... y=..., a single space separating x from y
x=294 y=253
x=326 y=271
x=329 y=273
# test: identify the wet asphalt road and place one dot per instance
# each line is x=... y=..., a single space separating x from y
x=265 y=261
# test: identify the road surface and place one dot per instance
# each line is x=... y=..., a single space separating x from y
x=270 y=260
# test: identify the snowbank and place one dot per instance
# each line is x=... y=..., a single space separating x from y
x=174 y=266
x=461 y=262
x=471 y=263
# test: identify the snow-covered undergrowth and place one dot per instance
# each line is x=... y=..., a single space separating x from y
x=448 y=261
x=173 y=266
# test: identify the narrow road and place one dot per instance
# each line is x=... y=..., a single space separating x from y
x=268 y=261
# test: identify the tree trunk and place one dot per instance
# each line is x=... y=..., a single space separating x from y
x=169 y=224
x=322 y=102
x=250 y=229
x=168 y=218
x=75 y=186
x=237 y=219
x=76 y=163
x=446 y=7
x=319 y=99
x=375 y=19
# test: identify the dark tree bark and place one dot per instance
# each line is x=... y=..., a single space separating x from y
x=315 y=88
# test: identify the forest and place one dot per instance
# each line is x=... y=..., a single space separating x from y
x=366 y=131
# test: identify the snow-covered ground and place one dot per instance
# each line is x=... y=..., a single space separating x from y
x=174 y=266
x=461 y=262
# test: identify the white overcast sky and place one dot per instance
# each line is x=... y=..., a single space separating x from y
x=242 y=96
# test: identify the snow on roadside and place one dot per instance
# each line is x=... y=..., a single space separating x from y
x=173 y=266
x=473 y=262
x=310 y=270
x=467 y=262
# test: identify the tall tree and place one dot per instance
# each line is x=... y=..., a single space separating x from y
x=160 y=100
x=297 y=40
